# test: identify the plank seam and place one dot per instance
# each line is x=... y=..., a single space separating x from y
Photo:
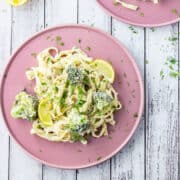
x=178 y=101
x=9 y=140
x=145 y=105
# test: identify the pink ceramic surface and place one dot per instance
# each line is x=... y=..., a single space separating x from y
x=128 y=84
x=153 y=14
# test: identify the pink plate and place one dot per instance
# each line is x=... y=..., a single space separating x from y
x=148 y=14
x=128 y=84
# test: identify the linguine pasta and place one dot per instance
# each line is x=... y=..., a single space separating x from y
x=80 y=100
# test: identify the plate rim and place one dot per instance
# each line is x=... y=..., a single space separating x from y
x=141 y=107
x=134 y=23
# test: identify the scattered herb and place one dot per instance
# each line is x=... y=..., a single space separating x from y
x=58 y=38
x=141 y=14
x=174 y=74
x=33 y=54
x=161 y=74
x=89 y=160
x=146 y=62
x=135 y=115
x=152 y=29
x=133 y=29
x=43 y=83
x=172 y=38
x=88 y=48
x=62 y=43
x=128 y=84
x=98 y=158
x=110 y=137
x=79 y=40
x=172 y=64
x=174 y=11
x=40 y=150
x=48 y=59
x=92 y=25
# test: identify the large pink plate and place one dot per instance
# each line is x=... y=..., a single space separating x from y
x=128 y=84
x=148 y=14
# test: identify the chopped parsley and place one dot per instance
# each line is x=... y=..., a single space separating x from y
x=62 y=43
x=174 y=11
x=152 y=29
x=99 y=158
x=146 y=62
x=162 y=74
x=88 y=48
x=33 y=54
x=135 y=115
x=58 y=38
x=79 y=40
x=141 y=14
x=133 y=30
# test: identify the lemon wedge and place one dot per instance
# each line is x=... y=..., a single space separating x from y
x=44 y=109
x=16 y=2
x=104 y=68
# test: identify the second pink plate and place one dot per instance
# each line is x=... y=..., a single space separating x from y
x=148 y=14
x=127 y=83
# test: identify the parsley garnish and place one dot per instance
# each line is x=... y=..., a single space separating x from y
x=135 y=115
x=88 y=48
x=98 y=158
x=162 y=74
x=133 y=29
x=141 y=14
x=33 y=54
x=58 y=38
x=79 y=40
x=152 y=29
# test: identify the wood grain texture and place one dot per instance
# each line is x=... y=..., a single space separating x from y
x=56 y=13
x=162 y=106
x=129 y=163
x=91 y=14
x=5 y=40
x=27 y=20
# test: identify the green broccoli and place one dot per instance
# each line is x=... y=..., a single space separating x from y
x=25 y=107
x=102 y=100
x=79 y=125
x=75 y=75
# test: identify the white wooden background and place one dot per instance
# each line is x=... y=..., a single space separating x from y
x=152 y=153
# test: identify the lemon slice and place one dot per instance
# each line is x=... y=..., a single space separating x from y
x=16 y=2
x=44 y=112
x=104 y=68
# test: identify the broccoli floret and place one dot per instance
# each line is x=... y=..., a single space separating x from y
x=79 y=123
x=75 y=75
x=25 y=107
x=102 y=99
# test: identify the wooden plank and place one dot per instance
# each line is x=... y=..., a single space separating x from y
x=162 y=106
x=129 y=162
x=59 y=12
x=91 y=14
x=5 y=36
x=27 y=20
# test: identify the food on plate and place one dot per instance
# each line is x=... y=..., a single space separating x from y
x=129 y=5
x=74 y=97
